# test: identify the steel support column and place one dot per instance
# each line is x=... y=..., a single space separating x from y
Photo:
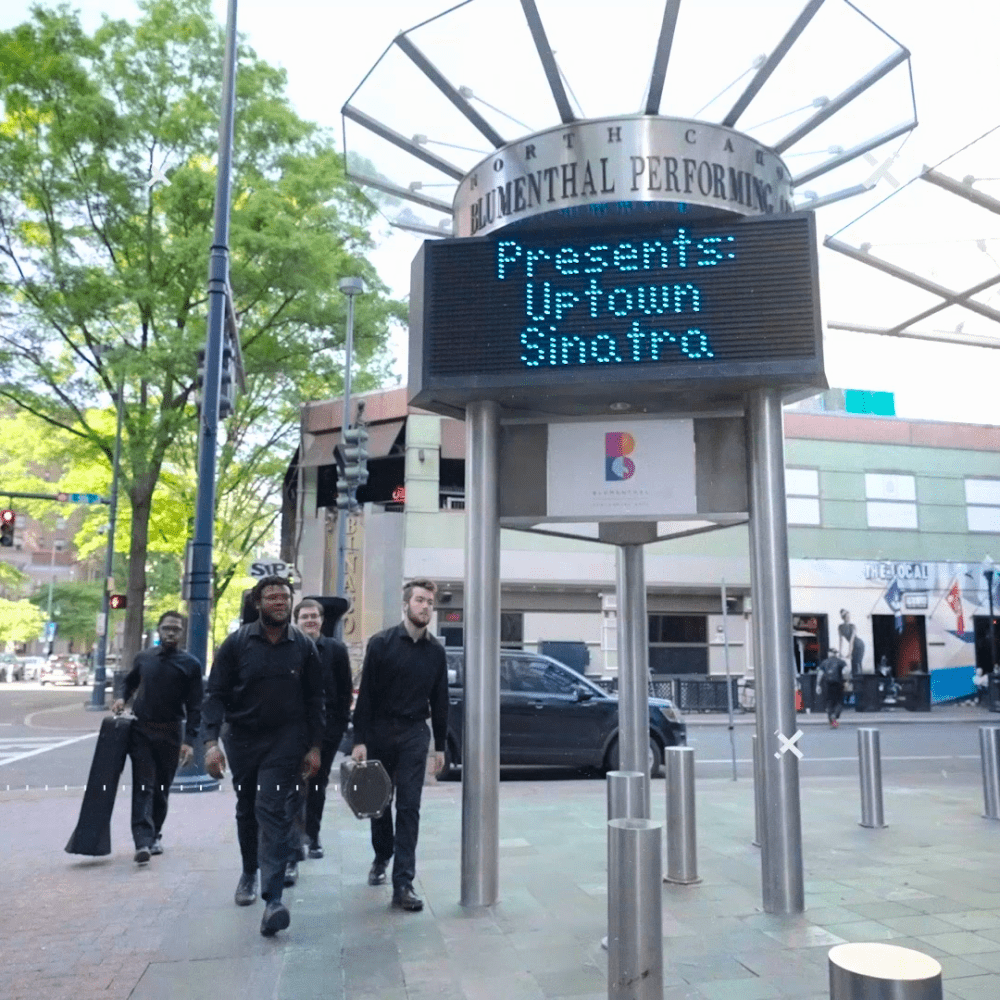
x=481 y=729
x=633 y=666
x=781 y=847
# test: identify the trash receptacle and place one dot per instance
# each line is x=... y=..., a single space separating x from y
x=993 y=693
x=916 y=692
x=867 y=693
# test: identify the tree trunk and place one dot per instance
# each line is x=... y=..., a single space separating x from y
x=141 y=497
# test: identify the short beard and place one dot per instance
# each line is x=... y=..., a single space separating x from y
x=414 y=622
x=272 y=622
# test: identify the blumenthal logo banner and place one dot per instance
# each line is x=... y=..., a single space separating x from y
x=621 y=470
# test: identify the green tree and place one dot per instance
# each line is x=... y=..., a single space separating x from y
x=74 y=610
x=107 y=184
x=20 y=621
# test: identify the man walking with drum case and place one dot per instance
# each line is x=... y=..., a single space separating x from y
x=404 y=680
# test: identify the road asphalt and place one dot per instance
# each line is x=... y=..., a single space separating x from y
x=80 y=929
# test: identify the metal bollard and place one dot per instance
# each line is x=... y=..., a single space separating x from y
x=879 y=971
x=682 y=837
x=635 y=910
x=989 y=750
x=758 y=792
x=626 y=794
x=870 y=767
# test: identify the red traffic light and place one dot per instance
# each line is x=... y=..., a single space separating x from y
x=8 y=520
x=118 y=601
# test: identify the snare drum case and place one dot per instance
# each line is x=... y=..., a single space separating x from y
x=366 y=787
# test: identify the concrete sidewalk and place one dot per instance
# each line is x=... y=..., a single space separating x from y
x=84 y=929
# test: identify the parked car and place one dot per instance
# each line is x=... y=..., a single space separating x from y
x=551 y=715
x=32 y=667
x=10 y=668
x=63 y=670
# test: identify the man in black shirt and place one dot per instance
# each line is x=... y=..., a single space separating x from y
x=830 y=673
x=166 y=683
x=267 y=683
x=403 y=681
x=338 y=688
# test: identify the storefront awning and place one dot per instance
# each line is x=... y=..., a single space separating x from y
x=318 y=448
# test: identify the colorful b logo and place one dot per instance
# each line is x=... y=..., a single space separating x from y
x=618 y=445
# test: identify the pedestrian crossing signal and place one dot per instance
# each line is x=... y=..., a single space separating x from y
x=118 y=602
x=8 y=521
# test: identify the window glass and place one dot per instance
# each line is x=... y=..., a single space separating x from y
x=802 y=482
x=802 y=510
x=982 y=491
x=889 y=486
x=882 y=514
x=539 y=677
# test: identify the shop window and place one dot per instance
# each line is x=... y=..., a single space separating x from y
x=512 y=629
x=982 y=498
x=892 y=500
x=802 y=496
x=678 y=644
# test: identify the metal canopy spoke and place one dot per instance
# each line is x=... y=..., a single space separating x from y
x=828 y=199
x=548 y=61
x=416 y=227
x=831 y=108
x=663 y=46
x=951 y=297
x=384 y=132
x=438 y=79
x=849 y=154
x=400 y=192
x=771 y=63
x=962 y=190
x=961 y=339
x=958 y=299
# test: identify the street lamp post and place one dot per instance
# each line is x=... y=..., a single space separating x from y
x=97 y=696
x=988 y=573
x=349 y=287
x=60 y=524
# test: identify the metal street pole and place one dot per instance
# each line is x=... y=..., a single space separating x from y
x=729 y=677
x=782 y=880
x=480 y=857
x=97 y=696
x=349 y=287
x=218 y=281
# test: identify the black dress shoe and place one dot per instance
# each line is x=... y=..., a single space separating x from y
x=315 y=849
x=141 y=855
x=246 y=889
x=376 y=874
x=157 y=847
x=405 y=899
x=276 y=918
x=291 y=873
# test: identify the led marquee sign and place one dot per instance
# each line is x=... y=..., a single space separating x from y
x=699 y=312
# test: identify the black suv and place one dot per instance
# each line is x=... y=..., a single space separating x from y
x=551 y=715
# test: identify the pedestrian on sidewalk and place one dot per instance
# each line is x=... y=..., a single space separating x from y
x=165 y=688
x=830 y=677
x=267 y=684
x=404 y=680
x=338 y=690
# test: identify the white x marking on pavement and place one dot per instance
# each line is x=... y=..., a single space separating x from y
x=789 y=744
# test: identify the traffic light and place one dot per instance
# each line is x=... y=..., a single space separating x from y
x=226 y=394
x=356 y=455
x=8 y=521
x=352 y=465
x=118 y=602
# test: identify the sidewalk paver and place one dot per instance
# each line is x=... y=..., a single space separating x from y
x=80 y=929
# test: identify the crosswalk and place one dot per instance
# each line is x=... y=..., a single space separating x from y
x=15 y=748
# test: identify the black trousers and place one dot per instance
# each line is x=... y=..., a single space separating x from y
x=308 y=799
x=266 y=766
x=316 y=795
x=834 y=699
x=401 y=746
x=155 y=749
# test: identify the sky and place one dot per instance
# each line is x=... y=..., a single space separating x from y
x=328 y=46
